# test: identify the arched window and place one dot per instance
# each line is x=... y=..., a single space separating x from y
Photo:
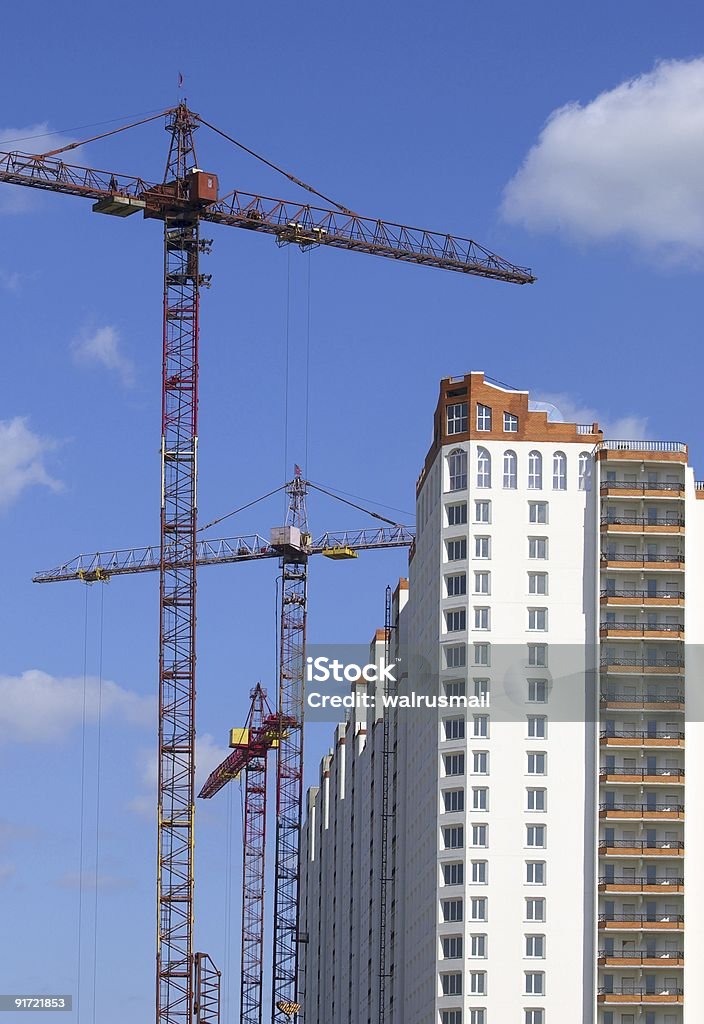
x=510 y=470
x=483 y=468
x=535 y=471
x=559 y=471
x=585 y=471
x=457 y=465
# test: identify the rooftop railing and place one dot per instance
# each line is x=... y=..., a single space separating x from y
x=642 y=446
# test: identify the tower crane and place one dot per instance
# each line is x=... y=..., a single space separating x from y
x=282 y=731
x=184 y=198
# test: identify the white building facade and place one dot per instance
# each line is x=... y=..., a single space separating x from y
x=536 y=866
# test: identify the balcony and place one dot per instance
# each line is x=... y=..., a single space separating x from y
x=633 y=884
x=646 y=489
x=645 y=776
x=671 y=447
x=672 y=664
x=649 y=598
x=664 y=738
x=642 y=560
x=641 y=958
x=641 y=848
x=641 y=812
x=641 y=922
x=665 y=702
x=613 y=523
x=634 y=996
x=647 y=630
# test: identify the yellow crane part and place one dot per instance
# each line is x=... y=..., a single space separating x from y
x=339 y=553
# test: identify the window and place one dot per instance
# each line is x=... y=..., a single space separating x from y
x=453 y=837
x=537 y=583
x=535 y=471
x=482 y=547
x=532 y=1017
x=535 y=946
x=453 y=800
x=481 y=688
x=537 y=547
x=480 y=835
x=477 y=908
x=453 y=873
x=483 y=417
x=535 y=983
x=535 y=910
x=537 y=511
x=482 y=511
x=457 y=466
x=477 y=947
x=538 y=619
x=536 y=763
x=480 y=799
x=451 y=984
x=537 y=654
x=456 y=585
x=481 y=654
x=537 y=726
x=452 y=910
x=457 y=549
x=535 y=836
x=535 y=872
x=481 y=583
x=452 y=947
x=584 y=471
x=477 y=983
x=559 y=471
x=454 y=764
x=535 y=800
x=455 y=1017
x=481 y=618
x=457 y=514
x=537 y=691
x=510 y=471
x=480 y=762
x=483 y=468
x=456 y=620
x=480 y=726
x=477 y=1016
x=479 y=872
x=510 y=423
x=457 y=418
x=455 y=688
x=456 y=657
x=453 y=728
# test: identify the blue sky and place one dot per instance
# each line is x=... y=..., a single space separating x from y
x=410 y=112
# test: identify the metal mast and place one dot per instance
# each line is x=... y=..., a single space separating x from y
x=387 y=813
x=177 y=588
x=289 y=773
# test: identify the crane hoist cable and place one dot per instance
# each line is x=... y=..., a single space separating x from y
x=242 y=508
x=103 y=135
x=380 y=504
x=98 y=766
x=79 y=127
x=81 y=830
x=360 y=508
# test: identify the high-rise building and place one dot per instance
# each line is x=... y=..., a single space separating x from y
x=535 y=868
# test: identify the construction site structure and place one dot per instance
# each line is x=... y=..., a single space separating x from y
x=186 y=197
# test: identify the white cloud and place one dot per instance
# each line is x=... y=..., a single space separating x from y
x=624 y=428
x=627 y=164
x=102 y=347
x=22 y=455
x=33 y=138
x=7 y=871
x=38 y=708
x=208 y=756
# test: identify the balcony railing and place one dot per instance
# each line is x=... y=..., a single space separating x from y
x=634 y=485
x=641 y=844
x=643 y=773
x=641 y=993
x=674 y=661
x=645 y=627
x=666 y=595
x=615 y=520
x=641 y=556
x=642 y=446
x=642 y=918
x=641 y=734
x=641 y=808
x=642 y=698
x=640 y=880
x=642 y=954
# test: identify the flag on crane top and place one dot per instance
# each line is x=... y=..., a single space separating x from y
x=180 y=80
x=297 y=469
